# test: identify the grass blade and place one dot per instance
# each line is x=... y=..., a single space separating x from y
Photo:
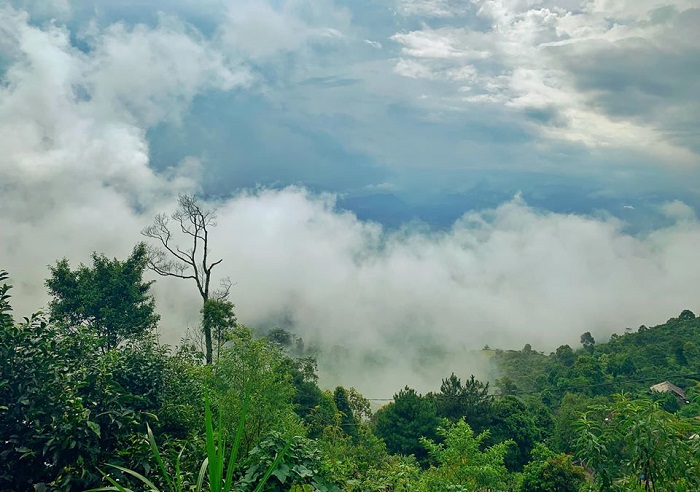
x=159 y=460
x=115 y=485
x=178 y=475
x=202 y=472
x=212 y=450
x=137 y=475
x=233 y=458
x=273 y=467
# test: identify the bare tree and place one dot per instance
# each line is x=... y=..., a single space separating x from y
x=169 y=259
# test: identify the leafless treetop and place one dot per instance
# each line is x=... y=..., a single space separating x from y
x=170 y=259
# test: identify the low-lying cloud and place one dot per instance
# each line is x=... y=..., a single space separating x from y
x=382 y=302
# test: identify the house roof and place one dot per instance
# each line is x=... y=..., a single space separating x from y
x=667 y=387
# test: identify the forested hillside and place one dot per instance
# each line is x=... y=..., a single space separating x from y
x=630 y=362
x=89 y=398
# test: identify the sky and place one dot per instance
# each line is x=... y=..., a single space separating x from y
x=391 y=177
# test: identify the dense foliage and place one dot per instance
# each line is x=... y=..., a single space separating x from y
x=110 y=297
x=89 y=398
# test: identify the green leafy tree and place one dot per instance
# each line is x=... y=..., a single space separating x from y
x=588 y=342
x=324 y=416
x=360 y=406
x=586 y=376
x=512 y=421
x=348 y=423
x=506 y=386
x=301 y=467
x=219 y=320
x=621 y=365
x=255 y=367
x=402 y=423
x=307 y=394
x=349 y=459
x=565 y=355
x=395 y=473
x=634 y=443
x=110 y=297
x=45 y=430
x=692 y=409
x=570 y=411
x=5 y=307
x=469 y=400
x=65 y=406
x=282 y=337
x=463 y=462
x=549 y=472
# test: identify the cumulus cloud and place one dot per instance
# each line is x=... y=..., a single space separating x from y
x=596 y=68
x=152 y=74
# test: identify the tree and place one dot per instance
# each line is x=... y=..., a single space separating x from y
x=586 y=376
x=565 y=355
x=5 y=307
x=549 y=471
x=449 y=402
x=281 y=337
x=564 y=436
x=404 y=421
x=463 y=462
x=348 y=422
x=110 y=297
x=361 y=407
x=45 y=425
x=219 y=320
x=513 y=421
x=66 y=407
x=394 y=473
x=506 y=386
x=299 y=469
x=469 y=400
x=168 y=259
x=588 y=341
x=633 y=442
x=254 y=369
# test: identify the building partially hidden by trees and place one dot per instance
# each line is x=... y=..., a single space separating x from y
x=667 y=387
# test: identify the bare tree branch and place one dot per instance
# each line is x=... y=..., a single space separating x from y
x=171 y=260
x=224 y=289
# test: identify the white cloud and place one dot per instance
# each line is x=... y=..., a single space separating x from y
x=444 y=43
x=52 y=9
x=680 y=212
x=432 y=8
x=154 y=73
x=634 y=10
x=504 y=277
x=259 y=29
x=527 y=59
